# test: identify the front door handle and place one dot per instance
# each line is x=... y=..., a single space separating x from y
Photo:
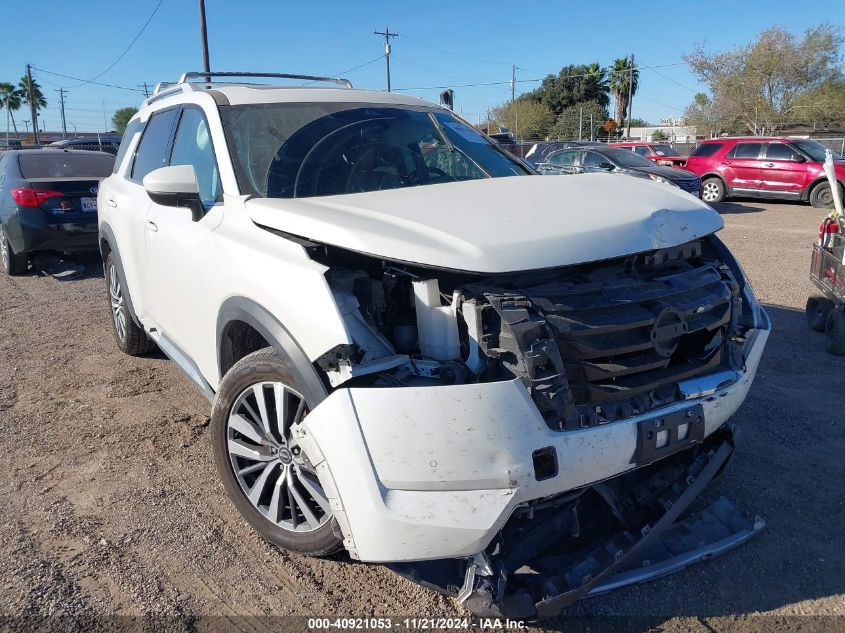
x=111 y=203
x=726 y=162
x=769 y=165
x=151 y=226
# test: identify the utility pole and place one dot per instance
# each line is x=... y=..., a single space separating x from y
x=26 y=123
x=513 y=82
x=591 y=126
x=581 y=123
x=204 y=35
x=61 y=92
x=387 y=35
x=146 y=89
x=32 y=108
x=105 y=123
x=630 y=93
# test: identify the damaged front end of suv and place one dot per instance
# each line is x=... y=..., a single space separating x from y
x=523 y=440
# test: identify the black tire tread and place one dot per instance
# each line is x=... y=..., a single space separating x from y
x=817 y=310
x=18 y=263
x=835 y=332
x=137 y=342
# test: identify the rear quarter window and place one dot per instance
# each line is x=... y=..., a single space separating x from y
x=65 y=165
x=132 y=129
x=707 y=149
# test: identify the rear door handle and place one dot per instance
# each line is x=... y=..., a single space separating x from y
x=769 y=165
x=151 y=226
x=111 y=202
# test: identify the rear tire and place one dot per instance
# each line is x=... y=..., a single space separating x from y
x=817 y=311
x=712 y=190
x=821 y=196
x=130 y=338
x=14 y=264
x=265 y=472
x=834 y=330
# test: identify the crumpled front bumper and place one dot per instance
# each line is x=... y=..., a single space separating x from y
x=425 y=473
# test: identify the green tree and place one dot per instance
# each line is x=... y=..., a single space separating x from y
x=120 y=118
x=573 y=84
x=37 y=96
x=824 y=105
x=569 y=122
x=659 y=135
x=621 y=86
x=759 y=87
x=526 y=119
x=638 y=122
x=10 y=100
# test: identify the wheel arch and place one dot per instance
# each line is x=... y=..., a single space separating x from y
x=242 y=324
x=108 y=244
x=805 y=195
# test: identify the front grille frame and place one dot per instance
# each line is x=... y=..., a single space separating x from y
x=545 y=332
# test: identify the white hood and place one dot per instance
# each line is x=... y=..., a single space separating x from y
x=501 y=224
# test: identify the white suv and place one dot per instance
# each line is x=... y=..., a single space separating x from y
x=510 y=386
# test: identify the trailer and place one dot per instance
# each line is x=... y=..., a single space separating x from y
x=826 y=310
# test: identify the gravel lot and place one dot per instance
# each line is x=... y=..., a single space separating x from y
x=111 y=506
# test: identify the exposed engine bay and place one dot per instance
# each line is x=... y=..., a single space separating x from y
x=592 y=343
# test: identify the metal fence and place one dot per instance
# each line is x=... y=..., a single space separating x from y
x=520 y=148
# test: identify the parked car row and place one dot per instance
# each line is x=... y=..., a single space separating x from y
x=776 y=167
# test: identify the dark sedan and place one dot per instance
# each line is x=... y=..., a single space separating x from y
x=539 y=152
x=48 y=202
x=579 y=160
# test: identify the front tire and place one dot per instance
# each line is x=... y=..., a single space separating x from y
x=834 y=330
x=14 y=264
x=266 y=474
x=130 y=337
x=712 y=190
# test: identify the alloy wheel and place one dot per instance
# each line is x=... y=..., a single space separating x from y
x=118 y=304
x=826 y=198
x=709 y=192
x=272 y=470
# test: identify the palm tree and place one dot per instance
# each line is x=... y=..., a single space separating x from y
x=37 y=96
x=10 y=99
x=597 y=76
x=620 y=78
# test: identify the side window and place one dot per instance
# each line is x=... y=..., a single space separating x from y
x=591 y=159
x=192 y=146
x=642 y=150
x=745 y=150
x=563 y=158
x=706 y=149
x=152 y=150
x=780 y=151
x=132 y=129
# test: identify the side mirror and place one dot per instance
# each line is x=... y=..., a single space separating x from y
x=607 y=166
x=798 y=158
x=175 y=186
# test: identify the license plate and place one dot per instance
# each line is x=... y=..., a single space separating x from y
x=666 y=434
x=89 y=204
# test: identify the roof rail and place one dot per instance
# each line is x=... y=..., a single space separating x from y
x=199 y=75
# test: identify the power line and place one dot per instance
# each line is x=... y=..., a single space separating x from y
x=85 y=81
x=677 y=83
x=431 y=70
x=443 y=50
x=346 y=72
x=119 y=57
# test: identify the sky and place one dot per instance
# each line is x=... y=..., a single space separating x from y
x=439 y=44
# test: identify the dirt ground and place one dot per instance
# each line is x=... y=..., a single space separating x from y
x=110 y=509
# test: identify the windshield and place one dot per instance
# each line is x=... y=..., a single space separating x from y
x=626 y=158
x=301 y=150
x=815 y=150
x=664 y=150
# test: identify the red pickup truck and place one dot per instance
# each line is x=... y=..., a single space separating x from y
x=660 y=153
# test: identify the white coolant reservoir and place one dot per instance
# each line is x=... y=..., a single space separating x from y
x=437 y=325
